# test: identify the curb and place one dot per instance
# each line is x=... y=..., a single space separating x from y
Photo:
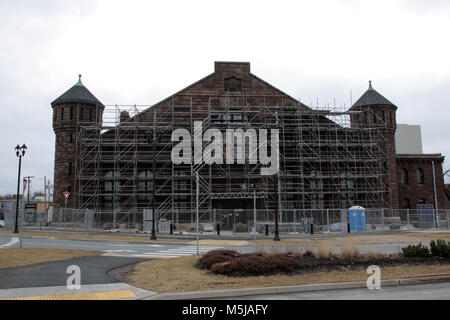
x=217 y=294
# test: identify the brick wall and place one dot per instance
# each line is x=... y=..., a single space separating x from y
x=415 y=191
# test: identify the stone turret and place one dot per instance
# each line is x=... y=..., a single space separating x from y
x=73 y=108
x=377 y=111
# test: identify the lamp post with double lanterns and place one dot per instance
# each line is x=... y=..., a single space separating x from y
x=20 y=152
x=152 y=138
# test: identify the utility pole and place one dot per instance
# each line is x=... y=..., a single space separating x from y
x=28 y=183
x=45 y=200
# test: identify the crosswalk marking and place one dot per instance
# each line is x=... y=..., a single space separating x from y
x=179 y=252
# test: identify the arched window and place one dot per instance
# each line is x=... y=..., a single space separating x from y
x=404 y=176
x=420 y=177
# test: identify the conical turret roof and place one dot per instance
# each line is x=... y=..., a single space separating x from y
x=78 y=93
x=372 y=98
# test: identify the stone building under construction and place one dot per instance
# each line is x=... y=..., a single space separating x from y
x=329 y=159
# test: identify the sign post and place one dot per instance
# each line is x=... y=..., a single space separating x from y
x=66 y=197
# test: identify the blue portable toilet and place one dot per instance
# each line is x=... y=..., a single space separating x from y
x=357 y=218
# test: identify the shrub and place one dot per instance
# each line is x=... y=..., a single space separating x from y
x=440 y=248
x=324 y=251
x=255 y=265
x=216 y=256
x=349 y=252
x=416 y=251
x=308 y=253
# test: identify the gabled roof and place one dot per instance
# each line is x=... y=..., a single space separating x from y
x=372 y=98
x=78 y=93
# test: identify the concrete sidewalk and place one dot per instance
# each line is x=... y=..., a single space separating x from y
x=111 y=291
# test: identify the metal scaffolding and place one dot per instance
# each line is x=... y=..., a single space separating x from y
x=328 y=159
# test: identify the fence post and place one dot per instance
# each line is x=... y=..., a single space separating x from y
x=435 y=218
x=382 y=218
x=328 y=220
x=267 y=229
x=295 y=221
x=407 y=216
x=178 y=221
x=448 y=224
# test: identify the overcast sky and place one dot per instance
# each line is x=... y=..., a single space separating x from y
x=139 y=52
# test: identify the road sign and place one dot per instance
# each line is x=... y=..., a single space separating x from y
x=66 y=195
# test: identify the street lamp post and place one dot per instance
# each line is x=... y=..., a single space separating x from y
x=152 y=139
x=20 y=152
x=276 y=233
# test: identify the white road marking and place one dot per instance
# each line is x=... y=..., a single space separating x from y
x=179 y=252
x=11 y=243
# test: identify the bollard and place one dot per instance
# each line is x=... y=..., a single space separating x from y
x=267 y=229
x=171 y=228
x=218 y=229
x=312 y=228
x=348 y=227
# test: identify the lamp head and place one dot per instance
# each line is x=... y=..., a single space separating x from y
x=24 y=149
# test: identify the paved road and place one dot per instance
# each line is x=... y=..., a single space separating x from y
x=435 y=291
x=136 y=250
x=161 y=250
x=93 y=271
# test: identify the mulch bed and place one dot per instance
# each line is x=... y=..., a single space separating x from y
x=231 y=263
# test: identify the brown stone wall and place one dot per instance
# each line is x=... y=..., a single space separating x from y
x=414 y=191
x=64 y=125
x=65 y=120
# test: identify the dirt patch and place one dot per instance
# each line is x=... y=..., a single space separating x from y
x=19 y=257
x=123 y=273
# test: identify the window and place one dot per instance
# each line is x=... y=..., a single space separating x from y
x=70 y=169
x=62 y=114
x=232 y=84
x=404 y=176
x=420 y=177
x=145 y=185
x=109 y=179
x=406 y=204
x=71 y=113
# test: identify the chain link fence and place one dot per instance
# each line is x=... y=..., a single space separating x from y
x=294 y=221
x=230 y=221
